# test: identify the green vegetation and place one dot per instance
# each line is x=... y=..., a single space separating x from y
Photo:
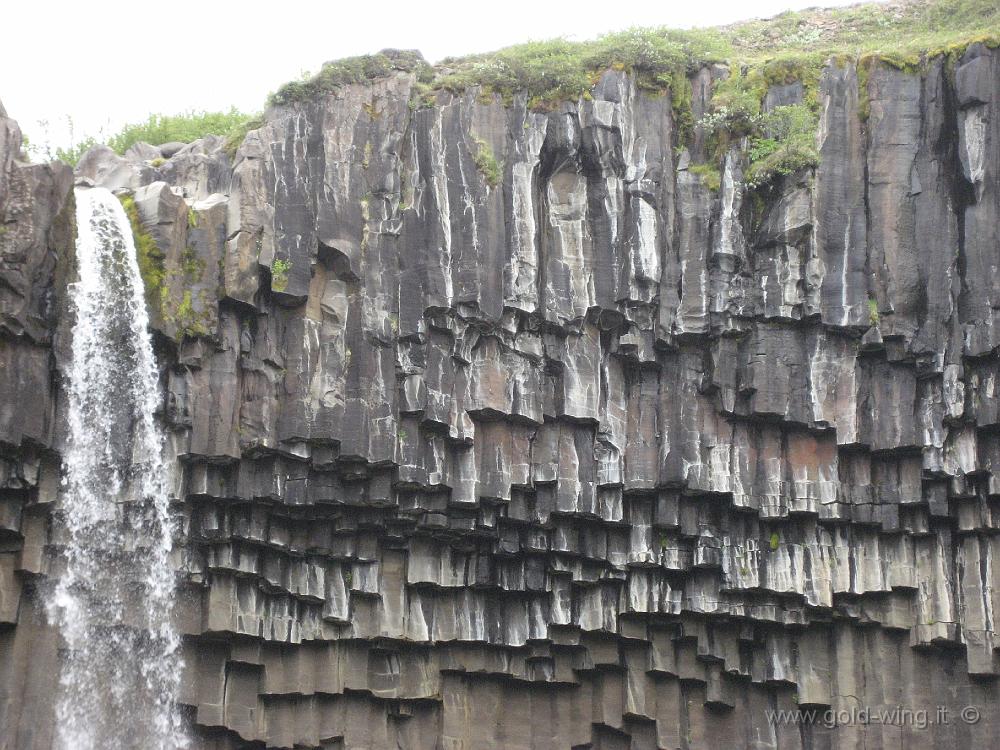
x=155 y=278
x=486 y=162
x=184 y=127
x=349 y=70
x=872 y=312
x=192 y=266
x=238 y=132
x=901 y=33
x=558 y=69
x=789 y=48
x=72 y=154
x=783 y=143
x=156 y=129
x=279 y=274
x=711 y=176
x=149 y=257
x=187 y=320
x=782 y=140
x=774 y=541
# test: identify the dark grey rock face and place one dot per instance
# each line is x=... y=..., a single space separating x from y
x=593 y=456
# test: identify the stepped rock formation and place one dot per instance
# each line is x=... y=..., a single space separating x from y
x=586 y=458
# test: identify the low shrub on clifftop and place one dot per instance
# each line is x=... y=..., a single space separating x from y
x=793 y=44
x=558 y=69
x=184 y=128
x=157 y=129
x=349 y=70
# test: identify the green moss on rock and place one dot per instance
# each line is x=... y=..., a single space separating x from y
x=711 y=176
x=149 y=256
x=486 y=162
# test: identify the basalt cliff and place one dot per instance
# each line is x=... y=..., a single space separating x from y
x=500 y=426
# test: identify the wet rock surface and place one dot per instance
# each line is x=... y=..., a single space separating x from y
x=589 y=456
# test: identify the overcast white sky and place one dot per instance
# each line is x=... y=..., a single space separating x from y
x=109 y=63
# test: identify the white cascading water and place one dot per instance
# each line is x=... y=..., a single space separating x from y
x=113 y=602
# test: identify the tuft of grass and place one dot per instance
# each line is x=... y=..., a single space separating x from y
x=486 y=162
x=711 y=176
x=238 y=133
x=279 y=274
x=189 y=323
x=873 y=316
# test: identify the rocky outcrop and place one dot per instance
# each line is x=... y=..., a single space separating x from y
x=589 y=455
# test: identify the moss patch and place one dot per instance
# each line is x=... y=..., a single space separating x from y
x=149 y=257
x=711 y=176
x=188 y=322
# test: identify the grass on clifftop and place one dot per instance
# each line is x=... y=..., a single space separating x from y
x=184 y=128
x=348 y=70
x=899 y=31
x=158 y=128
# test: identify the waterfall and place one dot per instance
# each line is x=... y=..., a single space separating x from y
x=114 y=598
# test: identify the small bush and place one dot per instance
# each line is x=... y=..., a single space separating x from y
x=735 y=105
x=279 y=274
x=486 y=162
x=184 y=127
x=784 y=142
